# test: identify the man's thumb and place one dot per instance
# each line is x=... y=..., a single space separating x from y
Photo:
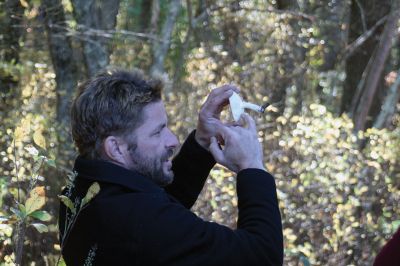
x=216 y=150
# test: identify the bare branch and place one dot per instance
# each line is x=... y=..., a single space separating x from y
x=273 y=10
x=389 y=104
x=362 y=13
x=82 y=30
x=351 y=48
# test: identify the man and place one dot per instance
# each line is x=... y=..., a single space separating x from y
x=389 y=254
x=141 y=216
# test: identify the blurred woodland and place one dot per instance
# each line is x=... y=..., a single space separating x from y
x=329 y=69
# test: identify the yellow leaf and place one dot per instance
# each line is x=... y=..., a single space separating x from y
x=92 y=191
x=67 y=202
x=18 y=134
x=24 y=3
x=36 y=200
x=39 y=139
x=22 y=130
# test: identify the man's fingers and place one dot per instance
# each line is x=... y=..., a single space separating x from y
x=249 y=122
x=216 y=150
x=224 y=88
x=218 y=98
x=232 y=124
x=223 y=131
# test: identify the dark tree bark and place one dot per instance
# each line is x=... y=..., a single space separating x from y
x=145 y=16
x=179 y=66
x=287 y=4
x=155 y=14
x=160 y=47
x=293 y=59
x=389 y=104
x=373 y=73
x=61 y=56
x=194 y=23
x=93 y=16
x=11 y=31
x=332 y=16
x=364 y=15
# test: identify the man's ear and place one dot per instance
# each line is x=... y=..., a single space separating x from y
x=114 y=148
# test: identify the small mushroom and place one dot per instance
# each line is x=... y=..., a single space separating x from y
x=238 y=106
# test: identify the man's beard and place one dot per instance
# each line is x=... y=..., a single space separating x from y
x=152 y=167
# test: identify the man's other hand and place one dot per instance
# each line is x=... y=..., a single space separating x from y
x=209 y=116
x=241 y=148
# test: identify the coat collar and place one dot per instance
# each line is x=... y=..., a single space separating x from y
x=102 y=171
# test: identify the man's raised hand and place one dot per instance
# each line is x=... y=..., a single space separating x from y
x=209 y=116
x=241 y=148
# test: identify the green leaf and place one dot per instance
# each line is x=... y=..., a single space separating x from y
x=18 y=213
x=305 y=260
x=395 y=225
x=41 y=215
x=22 y=208
x=40 y=227
x=51 y=163
x=36 y=200
x=92 y=191
x=67 y=202
x=37 y=165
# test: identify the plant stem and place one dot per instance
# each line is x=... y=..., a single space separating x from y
x=21 y=226
x=16 y=169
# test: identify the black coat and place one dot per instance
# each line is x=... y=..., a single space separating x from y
x=132 y=221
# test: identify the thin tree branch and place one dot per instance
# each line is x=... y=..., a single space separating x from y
x=389 y=104
x=374 y=73
x=362 y=13
x=351 y=48
x=110 y=34
x=273 y=10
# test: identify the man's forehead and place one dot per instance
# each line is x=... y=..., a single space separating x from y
x=154 y=115
x=154 y=110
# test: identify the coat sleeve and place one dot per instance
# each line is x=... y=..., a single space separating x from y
x=176 y=236
x=389 y=255
x=191 y=167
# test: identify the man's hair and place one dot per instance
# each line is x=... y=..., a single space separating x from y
x=110 y=104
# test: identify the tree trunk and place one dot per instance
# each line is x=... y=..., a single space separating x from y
x=11 y=30
x=331 y=17
x=160 y=47
x=374 y=73
x=11 y=19
x=145 y=16
x=287 y=4
x=231 y=32
x=364 y=15
x=155 y=14
x=389 y=104
x=293 y=59
x=93 y=16
x=61 y=56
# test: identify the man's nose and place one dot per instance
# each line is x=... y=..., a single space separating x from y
x=172 y=140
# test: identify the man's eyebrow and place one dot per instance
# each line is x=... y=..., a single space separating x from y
x=159 y=127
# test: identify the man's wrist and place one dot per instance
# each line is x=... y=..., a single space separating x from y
x=252 y=165
x=202 y=141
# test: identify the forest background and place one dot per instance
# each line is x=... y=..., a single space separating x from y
x=330 y=71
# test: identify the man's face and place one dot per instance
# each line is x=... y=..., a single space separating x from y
x=153 y=146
